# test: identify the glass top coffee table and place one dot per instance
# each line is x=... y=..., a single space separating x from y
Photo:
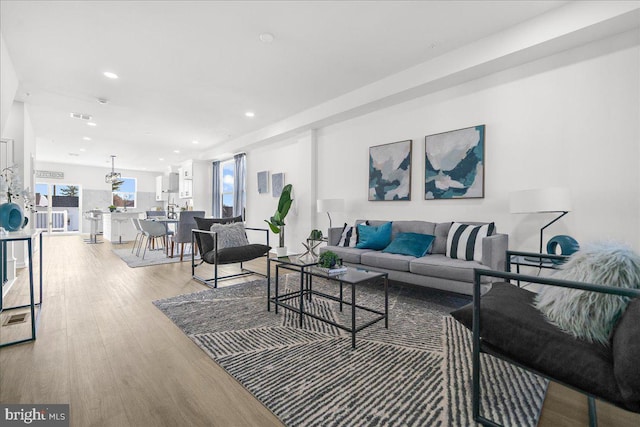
x=308 y=269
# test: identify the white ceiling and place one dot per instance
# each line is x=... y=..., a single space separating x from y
x=189 y=70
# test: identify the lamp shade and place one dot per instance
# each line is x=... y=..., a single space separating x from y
x=330 y=205
x=556 y=199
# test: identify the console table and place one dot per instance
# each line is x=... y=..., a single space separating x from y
x=25 y=236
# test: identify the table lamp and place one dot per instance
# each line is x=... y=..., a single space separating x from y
x=330 y=205
x=546 y=200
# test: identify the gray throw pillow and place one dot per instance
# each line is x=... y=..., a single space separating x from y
x=591 y=316
x=230 y=235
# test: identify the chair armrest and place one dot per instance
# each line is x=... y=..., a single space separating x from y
x=494 y=250
x=266 y=230
x=550 y=281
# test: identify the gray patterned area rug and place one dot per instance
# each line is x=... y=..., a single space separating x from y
x=416 y=373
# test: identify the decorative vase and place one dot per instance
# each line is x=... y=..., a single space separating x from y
x=11 y=217
x=281 y=251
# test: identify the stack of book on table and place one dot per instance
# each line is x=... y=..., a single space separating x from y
x=333 y=270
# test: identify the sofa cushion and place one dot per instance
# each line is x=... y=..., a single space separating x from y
x=385 y=260
x=420 y=227
x=349 y=236
x=465 y=240
x=374 y=237
x=436 y=265
x=511 y=325
x=236 y=254
x=413 y=244
x=625 y=344
x=350 y=255
x=441 y=232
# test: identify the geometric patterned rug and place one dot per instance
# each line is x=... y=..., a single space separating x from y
x=416 y=373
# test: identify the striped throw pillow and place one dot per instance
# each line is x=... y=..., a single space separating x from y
x=465 y=240
x=349 y=236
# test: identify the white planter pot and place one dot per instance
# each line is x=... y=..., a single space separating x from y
x=281 y=251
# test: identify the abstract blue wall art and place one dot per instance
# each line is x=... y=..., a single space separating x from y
x=454 y=164
x=390 y=171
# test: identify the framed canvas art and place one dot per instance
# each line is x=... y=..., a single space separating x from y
x=277 y=184
x=263 y=182
x=390 y=171
x=454 y=164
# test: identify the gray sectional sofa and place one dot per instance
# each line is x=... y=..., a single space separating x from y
x=435 y=270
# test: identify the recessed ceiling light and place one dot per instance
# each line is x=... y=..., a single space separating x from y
x=83 y=149
x=266 y=37
x=103 y=101
x=195 y=142
x=161 y=159
x=250 y=114
x=176 y=151
x=110 y=75
x=86 y=138
x=91 y=124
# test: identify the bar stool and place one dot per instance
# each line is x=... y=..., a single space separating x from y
x=119 y=221
x=94 y=216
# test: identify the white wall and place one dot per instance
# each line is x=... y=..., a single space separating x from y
x=8 y=84
x=92 y=178
x=292 y=157
x=571 y=119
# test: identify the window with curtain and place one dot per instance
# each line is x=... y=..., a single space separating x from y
x=229 y=187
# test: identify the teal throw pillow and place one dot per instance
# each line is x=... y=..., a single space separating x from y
x=413 y=244
x=372 y=237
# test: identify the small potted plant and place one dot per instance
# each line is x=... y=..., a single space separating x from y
x=112 y=208
x=328 y=259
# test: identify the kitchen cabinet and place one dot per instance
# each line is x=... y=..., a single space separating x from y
x=166 y=184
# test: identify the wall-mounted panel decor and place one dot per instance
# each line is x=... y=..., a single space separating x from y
x=390 y=171
x=454 y=164
x=263 y=182
x=277 y=184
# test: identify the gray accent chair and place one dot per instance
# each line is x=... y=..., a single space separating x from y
x=505 y=324
x=207 y=242
x=183 y=230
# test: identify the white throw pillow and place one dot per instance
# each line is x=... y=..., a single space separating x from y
x=230 y=235
x=591 y=316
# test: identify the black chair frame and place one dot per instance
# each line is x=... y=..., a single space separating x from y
x=479 y=346
x=216 y=276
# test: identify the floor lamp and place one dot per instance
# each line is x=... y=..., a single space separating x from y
x=330 y=205
x=546 y=200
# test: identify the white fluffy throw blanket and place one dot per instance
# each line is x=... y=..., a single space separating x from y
x=590 y=315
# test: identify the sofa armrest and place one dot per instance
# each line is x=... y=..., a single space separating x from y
x=334 y=236
x=494 y=250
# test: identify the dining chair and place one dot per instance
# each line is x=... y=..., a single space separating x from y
x=186 y=223
x=139 y=235
x=153 y=230
x=151 y=214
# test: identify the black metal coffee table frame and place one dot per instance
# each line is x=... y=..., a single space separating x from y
x=307 y=271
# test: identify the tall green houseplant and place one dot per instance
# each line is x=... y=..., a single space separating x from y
x=276 y=222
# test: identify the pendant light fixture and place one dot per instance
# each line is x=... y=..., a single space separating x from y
x=112 y=176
